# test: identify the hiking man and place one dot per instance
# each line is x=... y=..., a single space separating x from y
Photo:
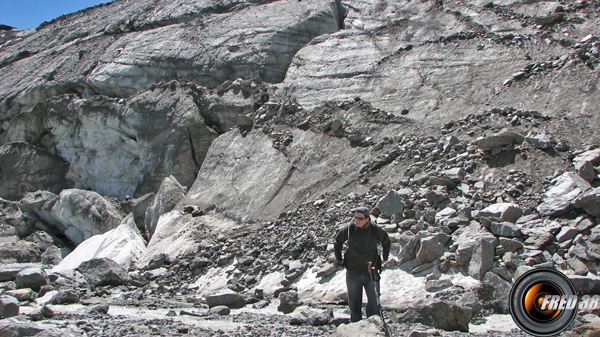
x=362 y=235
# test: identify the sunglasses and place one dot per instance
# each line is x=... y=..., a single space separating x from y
x=359 y=218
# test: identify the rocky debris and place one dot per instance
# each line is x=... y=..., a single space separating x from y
x=167 y=197
x=103 y=271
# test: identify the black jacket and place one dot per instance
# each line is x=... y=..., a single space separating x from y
x=362 y=246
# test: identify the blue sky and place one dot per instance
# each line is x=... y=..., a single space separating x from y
x=25 y=14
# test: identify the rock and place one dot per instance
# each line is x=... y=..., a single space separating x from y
x=220 y=310
x=408 y=251
x=167 y=197
x=26 y=294
x=13 y=216
x=138 y=206
x=176 y=235
x=584 y=163
x=431 y=248
x=578 y=266
x=41 y=170
x=288 y=302
x=22 y=326
x=123 y=245
x=494 y=292
x=469 y=301
x=9 y=306
x=539 y=240
x=566 y=233
x=19 y=252
x=560 y=197
x=33 y=278
x=510 y=245
x=66 y=296
x=505 y=229
x=391 y=204
x=372 y=326
x=505 y=138
x=103 y=271
x=52 y=256
x=230 y=300
x=540 y=139
x=503 y=211
x=465 y=240
x=586 y=171
x=455 y=174
x=438 y=285
x=326 y=271
x=98 y=309
x=76 y=214
x=590 y=202
x=482 y=260
x=440 y=315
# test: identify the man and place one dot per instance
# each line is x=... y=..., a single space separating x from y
x=362 y=235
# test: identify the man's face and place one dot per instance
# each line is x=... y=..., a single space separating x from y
x=360 y=219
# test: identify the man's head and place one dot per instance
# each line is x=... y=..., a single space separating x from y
x=361 y=216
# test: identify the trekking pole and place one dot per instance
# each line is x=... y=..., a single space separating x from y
x=386 y=328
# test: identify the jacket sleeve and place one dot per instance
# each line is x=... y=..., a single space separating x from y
x=340 y=237
x=386 y=244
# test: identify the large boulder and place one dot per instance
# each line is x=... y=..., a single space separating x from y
x=503 y=211
x=482 y=259
x=590 y=202
x=440 y=315
x=123 y=245
x=33 y=277
x=76 y=214
x=230 y=299
x=562 y=195
x=167 y=197
x=103 y=271
x=391 y=204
